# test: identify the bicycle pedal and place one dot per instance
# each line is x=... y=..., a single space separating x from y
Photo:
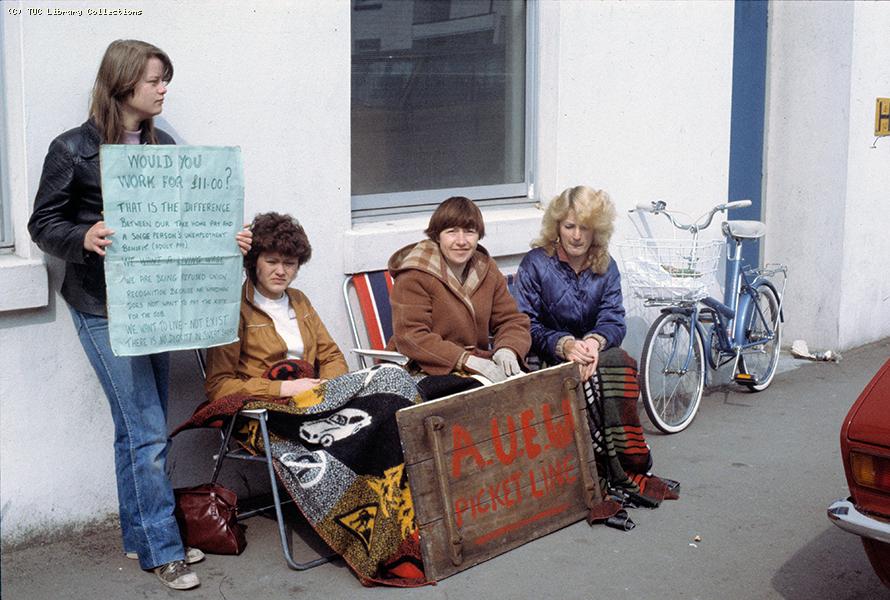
x=745 y=378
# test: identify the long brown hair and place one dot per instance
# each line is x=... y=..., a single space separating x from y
x=121 y=69
x=594 y=209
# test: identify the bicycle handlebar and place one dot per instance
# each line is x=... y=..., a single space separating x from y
x=738 y=204
x=651 y=207
x=660 y=207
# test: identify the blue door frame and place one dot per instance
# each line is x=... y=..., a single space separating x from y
x=748 y=114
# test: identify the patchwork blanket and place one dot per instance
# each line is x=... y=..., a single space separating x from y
x=336 y=450
x=622 y=454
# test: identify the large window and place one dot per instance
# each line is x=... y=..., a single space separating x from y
x=439 y=103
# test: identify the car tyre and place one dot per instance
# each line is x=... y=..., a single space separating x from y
x=879 y=555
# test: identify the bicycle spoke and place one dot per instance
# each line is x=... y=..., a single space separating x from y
x=672 y=377
x=763 y=325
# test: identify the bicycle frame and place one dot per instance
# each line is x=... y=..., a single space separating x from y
x=744 y=329
x=737 y=300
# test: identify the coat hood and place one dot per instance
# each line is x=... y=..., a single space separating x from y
x=427 y=257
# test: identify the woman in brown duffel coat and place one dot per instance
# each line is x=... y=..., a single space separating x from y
x=452 y=312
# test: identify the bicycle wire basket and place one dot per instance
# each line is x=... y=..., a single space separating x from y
x=670 y=270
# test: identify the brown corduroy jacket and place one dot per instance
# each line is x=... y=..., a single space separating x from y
x=238 y=367
x=436 y=319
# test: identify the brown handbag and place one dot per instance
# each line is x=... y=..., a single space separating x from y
x=207 y=519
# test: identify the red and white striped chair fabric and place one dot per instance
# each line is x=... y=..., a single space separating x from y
x=372 y=290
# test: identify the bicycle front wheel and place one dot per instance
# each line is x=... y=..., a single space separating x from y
x=762 y=324
x=672 y=372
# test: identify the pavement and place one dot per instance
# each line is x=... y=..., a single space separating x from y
x=757 y=472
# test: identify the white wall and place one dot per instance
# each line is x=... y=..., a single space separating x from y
x=827 y=190
x=641 y=108
x=272 y=78
x=634 y=98
x=865 y=283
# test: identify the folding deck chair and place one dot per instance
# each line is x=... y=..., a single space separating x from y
x=225 y=452
x=372 y=290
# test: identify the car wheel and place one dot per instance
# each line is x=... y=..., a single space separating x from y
x=879 y=555
x=326 y=440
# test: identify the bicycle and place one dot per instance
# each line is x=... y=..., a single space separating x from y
x=693 y=327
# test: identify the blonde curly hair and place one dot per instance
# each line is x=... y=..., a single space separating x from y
x=593 y=209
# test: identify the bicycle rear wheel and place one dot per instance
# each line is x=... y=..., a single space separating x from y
x=671 y=379
x=760 y=361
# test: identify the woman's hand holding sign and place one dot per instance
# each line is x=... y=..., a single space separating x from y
x=244 y=239
x=95 y=238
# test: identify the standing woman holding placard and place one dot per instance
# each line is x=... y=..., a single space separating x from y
x=129 y=91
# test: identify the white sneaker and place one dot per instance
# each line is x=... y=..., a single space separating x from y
x=192 y=555
x=177 y=575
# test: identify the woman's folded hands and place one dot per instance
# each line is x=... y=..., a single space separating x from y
x=585 y=353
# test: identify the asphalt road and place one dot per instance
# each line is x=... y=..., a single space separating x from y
x=757 y=473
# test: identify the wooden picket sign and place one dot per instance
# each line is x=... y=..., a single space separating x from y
x=495 y=467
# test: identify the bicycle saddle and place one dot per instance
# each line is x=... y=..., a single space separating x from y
x=744 y=230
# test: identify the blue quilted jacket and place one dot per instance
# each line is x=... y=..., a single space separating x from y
x=560 y=302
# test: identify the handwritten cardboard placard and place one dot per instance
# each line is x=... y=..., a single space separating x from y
x=173 y=270
x=495 y=467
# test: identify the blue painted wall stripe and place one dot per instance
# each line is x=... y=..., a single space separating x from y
x=748 y=108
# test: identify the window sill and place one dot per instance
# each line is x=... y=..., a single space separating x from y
x=368 y=246
x=23 y=283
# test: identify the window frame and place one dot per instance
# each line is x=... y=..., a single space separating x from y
x=373 y=207
x=7 y=237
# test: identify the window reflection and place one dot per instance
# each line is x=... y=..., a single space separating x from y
x=438 y=94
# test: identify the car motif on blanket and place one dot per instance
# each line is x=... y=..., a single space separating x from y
x=865 y=450
x=337 y=426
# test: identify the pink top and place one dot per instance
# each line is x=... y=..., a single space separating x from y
x=132 y=137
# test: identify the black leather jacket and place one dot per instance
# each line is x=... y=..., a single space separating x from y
x=68 y=203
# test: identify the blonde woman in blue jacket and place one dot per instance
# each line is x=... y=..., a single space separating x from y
x=569 y=285
x=570 y=288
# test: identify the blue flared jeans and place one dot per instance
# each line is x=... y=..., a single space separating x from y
x=136 y=387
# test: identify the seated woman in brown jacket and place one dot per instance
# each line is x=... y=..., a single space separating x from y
x=277 y=322
x=449 y=299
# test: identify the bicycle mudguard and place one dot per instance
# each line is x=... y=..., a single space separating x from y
x=680 y=310
x=745 y=302
x=706 y=346
x=719 y=307
x=769 y=283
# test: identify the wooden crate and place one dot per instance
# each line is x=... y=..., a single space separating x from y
x=493 y=468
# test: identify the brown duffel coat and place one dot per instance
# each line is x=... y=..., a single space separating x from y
x=436 y=319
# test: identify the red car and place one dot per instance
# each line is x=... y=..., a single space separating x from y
x=865 y=449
